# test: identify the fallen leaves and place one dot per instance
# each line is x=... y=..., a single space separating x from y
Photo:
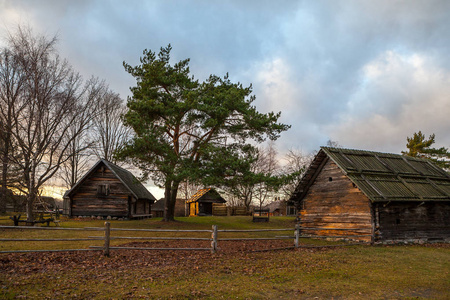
x=29 y=263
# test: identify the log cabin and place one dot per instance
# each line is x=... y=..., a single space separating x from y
x=109 y=190
x=202 y=202
x=374 y=197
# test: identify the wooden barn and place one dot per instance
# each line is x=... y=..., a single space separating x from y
x=387 y=197
x=109 y=190
x=201 y=204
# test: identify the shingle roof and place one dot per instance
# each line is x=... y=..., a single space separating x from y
x=383 y=176
x=129 y=181
x=201 y=193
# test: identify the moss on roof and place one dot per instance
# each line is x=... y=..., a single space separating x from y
x=383 y=176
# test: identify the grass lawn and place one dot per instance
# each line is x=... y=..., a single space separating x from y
x=354 y=272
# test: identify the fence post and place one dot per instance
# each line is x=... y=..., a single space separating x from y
x=107 y=238
x=214 y=239
x=296 y=235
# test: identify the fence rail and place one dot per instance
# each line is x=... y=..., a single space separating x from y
x=214 y=231
x=53 y=228
x=253 y=230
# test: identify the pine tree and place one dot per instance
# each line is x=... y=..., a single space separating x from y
x=185 y=129
x=419 y=146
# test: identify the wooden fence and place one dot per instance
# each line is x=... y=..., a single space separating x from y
x=106 y=238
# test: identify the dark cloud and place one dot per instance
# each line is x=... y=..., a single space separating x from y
x=365 y=73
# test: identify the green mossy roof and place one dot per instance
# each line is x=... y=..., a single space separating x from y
x=384 y=177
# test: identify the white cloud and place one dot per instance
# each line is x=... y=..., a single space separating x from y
x=399 y=95
x=275 y=89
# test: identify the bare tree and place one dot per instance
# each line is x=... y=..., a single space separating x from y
x=108 y=130
x=81 y=143
x=79 y=158
x=12 y=79
x=333 y=144
x=268 y=165
x=188 y=189
x=296 y=164
x=262 y=180
x=51 y=103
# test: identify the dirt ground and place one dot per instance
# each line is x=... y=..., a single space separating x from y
x=26 y=263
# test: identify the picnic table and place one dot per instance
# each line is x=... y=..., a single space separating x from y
x=42 y=219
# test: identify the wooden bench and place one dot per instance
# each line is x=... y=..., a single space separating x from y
x=17 y=221
x=261 y=215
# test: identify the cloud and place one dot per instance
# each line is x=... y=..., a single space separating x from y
x=335 y=69
x=399 y=95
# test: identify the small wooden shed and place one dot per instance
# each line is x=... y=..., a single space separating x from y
x=201 y=203
x=109 y=190
x=387 y=197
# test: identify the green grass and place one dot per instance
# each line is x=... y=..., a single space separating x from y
x=356 y=272
x=235 y=222
x=193 y=223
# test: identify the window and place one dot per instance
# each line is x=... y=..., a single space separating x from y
x=103 y=190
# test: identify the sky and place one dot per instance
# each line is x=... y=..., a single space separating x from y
x=366 y=74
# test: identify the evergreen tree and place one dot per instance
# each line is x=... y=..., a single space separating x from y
x=186 y=129
x=419 y=146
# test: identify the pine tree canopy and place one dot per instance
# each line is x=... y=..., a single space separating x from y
x=419 y=146
x=181 y=125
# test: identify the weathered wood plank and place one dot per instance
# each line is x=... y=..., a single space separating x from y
x=412 y=220
x=118 y=203
x=332 y=201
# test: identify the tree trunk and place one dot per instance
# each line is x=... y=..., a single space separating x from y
x=3 y=198
x=170 y=198
x=167 y=191
x=32 y=191
x=31 y=198
x=4 y=189
x=5 y=162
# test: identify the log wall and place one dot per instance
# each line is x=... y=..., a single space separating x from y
x=86 y=202
x=219 y=209
x=333 y=201
x=413 y=221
